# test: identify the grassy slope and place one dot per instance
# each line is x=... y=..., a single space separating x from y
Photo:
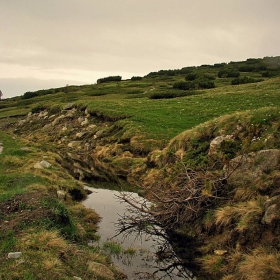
x=152 y=122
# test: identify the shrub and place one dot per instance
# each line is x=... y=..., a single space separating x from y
x=245 y=80
x=29 y=94
x=269 y=74
x=204 y=83
x=228 y=73
x=136 y=78
x=165 y=95
x=191 y=76
x=109 y=79
x=184 y=85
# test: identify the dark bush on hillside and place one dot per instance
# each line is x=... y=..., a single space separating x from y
x=184 y=85
x=205 y=83
x=246 y=68
x=109 y=79
x=245 y=80
x=38 y=108
x=269 y=74
x=219 y=65
x=191 y=76
x=30 y=94
x=228 y=73
x=167 y=95
x=136 y=78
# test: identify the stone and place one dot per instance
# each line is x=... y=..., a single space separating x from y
x=68 y=106
x=80 y=134
x=14 y=255
x=80 y=119
x=61 y=194
x=21 y=122
x=215 y=144
x=77 y=278
x=85 y=122
x=92 y=126
x=43 y=114
x=64 y=128
x=1 y=149
x=47 y=126
x=26 y=149
x=58 y=119
x=101 y=270
x=74 y=144
x=98 y=134
x=43 y=164
x=253 y=165
x=220 y=252
x=270 y=214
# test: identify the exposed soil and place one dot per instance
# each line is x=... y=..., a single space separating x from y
x=22 y=210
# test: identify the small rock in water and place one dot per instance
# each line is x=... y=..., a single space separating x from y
x=14 y=255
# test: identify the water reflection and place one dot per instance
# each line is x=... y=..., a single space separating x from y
x=141 y=255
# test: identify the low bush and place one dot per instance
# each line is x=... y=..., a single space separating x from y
x=109 y=79
x=245 y=80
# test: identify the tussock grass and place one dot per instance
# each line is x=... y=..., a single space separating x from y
x=260 y=265
x=241 y=214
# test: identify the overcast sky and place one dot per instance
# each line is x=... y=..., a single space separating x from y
x=52 y=43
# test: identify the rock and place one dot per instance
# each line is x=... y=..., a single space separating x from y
x=80 y=134
x=25 y=149
x=43 y=164
x=98 y=134
x=271 y=214
x=92 y=126
x=21 y=122
x=74 y=144
x=101 y=270
x=253 y=165
x=272 y=210
x=1 y=149
x=68 y=106
x=215 y=144
x=47 y=126
x=64 y=128
x=85 y=122
x=58 y=119
x=220 y=252
x=14 y=255
x=77 y=278
x=80 y=119
x=61 y=194
x=43 y=114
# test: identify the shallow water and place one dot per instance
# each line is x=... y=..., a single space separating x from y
x=143 y=263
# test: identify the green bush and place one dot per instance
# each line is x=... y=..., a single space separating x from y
x=29 y=94
x=191 y=76
x=228 y=73
x=165 y=95
x=184 y=85
x=109 y=79
x=245 y=80
x=136 y=78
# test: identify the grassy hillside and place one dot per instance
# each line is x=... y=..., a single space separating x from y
x=179 y=112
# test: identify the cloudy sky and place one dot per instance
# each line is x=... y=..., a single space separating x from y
x=52 y=43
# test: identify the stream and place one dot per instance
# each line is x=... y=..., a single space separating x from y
x=138 y=258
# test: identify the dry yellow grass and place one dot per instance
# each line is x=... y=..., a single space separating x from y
x=241 y=214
